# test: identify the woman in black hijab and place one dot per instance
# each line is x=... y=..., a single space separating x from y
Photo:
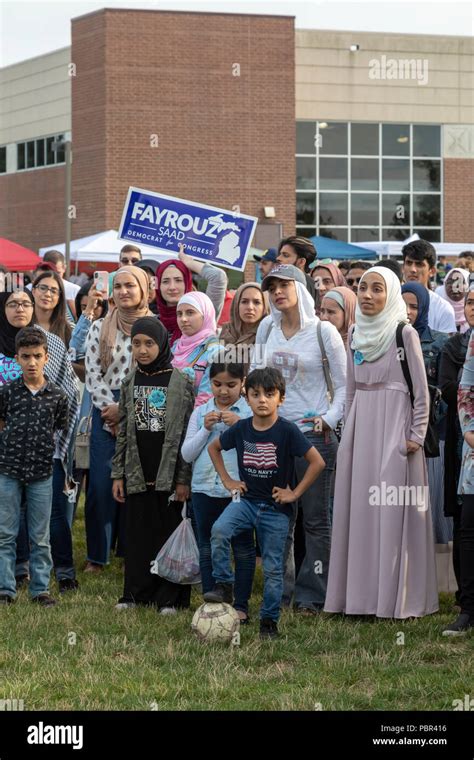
x=156 y=402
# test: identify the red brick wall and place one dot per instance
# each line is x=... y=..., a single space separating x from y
x=222 y=139
x=32 y=207
x=459 y=200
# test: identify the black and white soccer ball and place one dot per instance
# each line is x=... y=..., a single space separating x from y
x=216 y=622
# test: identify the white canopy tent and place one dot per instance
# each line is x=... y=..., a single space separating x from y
x=393 y=248
x=104 y=247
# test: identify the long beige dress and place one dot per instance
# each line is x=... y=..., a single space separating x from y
x=382 y=553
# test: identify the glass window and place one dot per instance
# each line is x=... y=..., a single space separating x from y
x=395 y=174
x=305 y=173
x=433 y=236
x=306 y=232
x=20 y=152
x=362 y=234
x=364 y=174
x=333 y=137
x=427 y=210
x=39 y=152
x=396 y=139
x=306 y=208
x=333 y=173
x=335 y=234
x=365 y=208
x=426 y=176
x=426 y=140
x=49 y=150
x=30 y=154
x=395 y=234
x=306 y=137
x=3 y=160
x=60 y=154
x=365 y=139
x=395 y=209
x=333 y=208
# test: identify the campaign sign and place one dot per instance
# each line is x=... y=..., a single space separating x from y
x=210 y=234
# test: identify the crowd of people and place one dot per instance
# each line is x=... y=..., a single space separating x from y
x=324 y=425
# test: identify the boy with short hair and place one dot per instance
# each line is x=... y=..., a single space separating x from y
x=419 y=265
x=31 y=410
x=266 y=446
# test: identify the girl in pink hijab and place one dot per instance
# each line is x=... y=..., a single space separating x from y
x=192 y=352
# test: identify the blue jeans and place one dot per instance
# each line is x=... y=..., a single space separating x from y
x=38 y=496
x=271 y=526
x=311 y=583
x=101 y=509
x=206 y=511
x=62 y=511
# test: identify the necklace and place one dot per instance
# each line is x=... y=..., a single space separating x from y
x=158 y=372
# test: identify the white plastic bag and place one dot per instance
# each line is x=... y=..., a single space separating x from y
x=178 y=558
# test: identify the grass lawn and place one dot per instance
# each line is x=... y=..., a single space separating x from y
x=84 y=655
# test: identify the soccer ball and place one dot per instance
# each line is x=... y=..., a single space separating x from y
x=216 y=622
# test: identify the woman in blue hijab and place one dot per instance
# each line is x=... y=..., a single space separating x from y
x=417 y=299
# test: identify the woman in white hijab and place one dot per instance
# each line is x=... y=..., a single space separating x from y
x=307 y=352
x=382 y=551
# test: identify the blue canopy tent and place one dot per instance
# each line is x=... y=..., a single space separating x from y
x=328 y=248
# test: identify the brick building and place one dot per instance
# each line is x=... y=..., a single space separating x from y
x=228 y=109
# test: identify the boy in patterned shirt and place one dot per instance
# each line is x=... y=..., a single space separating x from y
x=32 y=409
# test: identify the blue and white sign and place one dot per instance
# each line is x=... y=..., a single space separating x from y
x=210 y=234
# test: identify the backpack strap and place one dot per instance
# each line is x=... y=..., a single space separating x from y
x=208 y=343
x=326 y=369
x=405 y=368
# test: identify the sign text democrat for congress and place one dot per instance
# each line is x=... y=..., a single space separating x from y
x=210 y=234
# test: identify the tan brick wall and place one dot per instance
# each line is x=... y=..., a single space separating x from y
x=459 y=200
x=222 y=139
x=32 y=207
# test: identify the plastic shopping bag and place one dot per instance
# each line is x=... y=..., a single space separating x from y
x=178 y=558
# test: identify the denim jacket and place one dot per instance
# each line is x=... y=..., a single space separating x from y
x=77 y=344
x=172 y=468
x=205 y=478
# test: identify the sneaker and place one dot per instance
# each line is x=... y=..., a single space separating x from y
x=67 y=584
x=45 y=600
x=125 y=605
x=268 y=629
x=222 y=592
x=22 y=581
x=460 y=626
x=6 y=599
x=168 y=611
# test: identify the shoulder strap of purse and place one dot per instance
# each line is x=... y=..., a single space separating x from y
x=403 y=359
x=326 y=369
x=203 y=350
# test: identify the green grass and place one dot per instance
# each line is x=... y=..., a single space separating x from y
x=83 y=654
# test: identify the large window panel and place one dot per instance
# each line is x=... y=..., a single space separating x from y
x=306 y=208
x=332 y=208
x=427 y=210
x=364 y=174
x=364 y=208
x=20 y=156
x=49 y=150
x=334 y=233
x=305 y=173
x=433 y=236
x=333 y=138
x=40 y=152
x=426 y=176
x=426 y=140
x=306 y=232
x=395 y=174
x=365 y=139
x=306 y=137
x=30 y=154
x=395 y=234
x=362 y=234
x=396 y=139
x=395 y=209
x=3 y=159
x=333 y=174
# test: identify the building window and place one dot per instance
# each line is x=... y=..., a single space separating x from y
x=35 y=154
x=3 y=159
x=366 y=181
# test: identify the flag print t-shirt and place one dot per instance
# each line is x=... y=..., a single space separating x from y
x=266 y=458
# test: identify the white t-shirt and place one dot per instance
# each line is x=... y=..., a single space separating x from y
x=441 y=314
x=299 y=360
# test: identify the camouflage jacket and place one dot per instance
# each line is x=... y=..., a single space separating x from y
x=172 y=468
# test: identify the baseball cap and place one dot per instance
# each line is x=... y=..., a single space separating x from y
x=269 y=255
x=284 y=272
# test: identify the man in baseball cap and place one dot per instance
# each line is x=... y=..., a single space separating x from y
x=267 y=261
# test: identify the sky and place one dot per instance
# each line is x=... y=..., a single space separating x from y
x=33 y=27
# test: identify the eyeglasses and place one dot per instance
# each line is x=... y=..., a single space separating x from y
x=45 y=289
x=353 y=280
x=126 y=260
x=19 y=305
